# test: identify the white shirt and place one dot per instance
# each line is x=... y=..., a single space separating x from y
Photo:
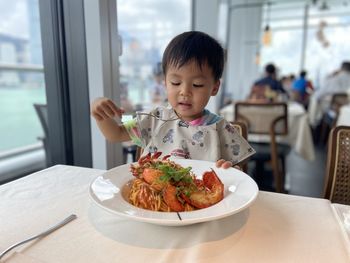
x=335 y=84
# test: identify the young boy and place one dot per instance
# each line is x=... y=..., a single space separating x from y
x=193 y=63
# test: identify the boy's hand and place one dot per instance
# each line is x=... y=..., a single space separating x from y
x=223 y=164
x=104 y=108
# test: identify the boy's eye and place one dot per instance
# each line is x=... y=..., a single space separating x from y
x=198 y=85
x=175 y=83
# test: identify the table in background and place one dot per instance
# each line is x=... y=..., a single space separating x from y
x=317 y=107
x=299 y=135
x=276 y=228
x=344 y=116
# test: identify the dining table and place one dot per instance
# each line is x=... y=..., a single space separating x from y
x=344 y=115
x=299 y=131
x=317 y=107
x=274 y=228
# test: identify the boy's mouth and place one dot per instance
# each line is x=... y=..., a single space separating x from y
x=184 y=105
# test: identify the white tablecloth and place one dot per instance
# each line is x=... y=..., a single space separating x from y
x=344 y=116
x=317 y=108
x=276 y=228
x=299 y=136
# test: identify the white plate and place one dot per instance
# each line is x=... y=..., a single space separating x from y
x=240 y=192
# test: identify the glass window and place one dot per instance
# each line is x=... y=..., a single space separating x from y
x=284 y=51
x=327 y=36
x=146 y=27
x=328 y=30
x=285 y=24
x=21 y=73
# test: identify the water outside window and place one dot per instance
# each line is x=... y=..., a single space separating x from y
x=146 y=27
x=21 y=74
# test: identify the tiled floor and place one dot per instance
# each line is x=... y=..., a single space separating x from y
x=307 y=178
x=303 y=177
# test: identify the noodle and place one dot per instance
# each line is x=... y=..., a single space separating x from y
x=144 y=196
x=163 y=185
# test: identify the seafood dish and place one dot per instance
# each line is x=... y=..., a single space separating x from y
x=161 y=184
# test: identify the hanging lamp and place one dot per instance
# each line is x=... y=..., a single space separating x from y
x=267 y=34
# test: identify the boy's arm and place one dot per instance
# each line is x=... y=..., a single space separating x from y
x=104 y=110
x=113 y=131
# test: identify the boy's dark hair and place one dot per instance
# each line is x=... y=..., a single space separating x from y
x=303 y=73
x=270 y=69
x=197 y=46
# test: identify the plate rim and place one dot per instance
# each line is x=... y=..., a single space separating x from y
x=175 y=221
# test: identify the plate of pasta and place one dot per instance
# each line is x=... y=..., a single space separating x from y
x=173 y=192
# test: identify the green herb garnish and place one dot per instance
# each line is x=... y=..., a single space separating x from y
x=176 y=175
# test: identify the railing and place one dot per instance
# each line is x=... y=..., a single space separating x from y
x=21 y=67
x=21 y=161
x=20 y=150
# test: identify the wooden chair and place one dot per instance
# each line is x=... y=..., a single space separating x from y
x=330 y=117
x=337 y=180
x=270 y=119
x=239 y=126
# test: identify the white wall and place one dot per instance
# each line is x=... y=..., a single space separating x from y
x=243 y=40
x=205 y=19
x=243 y=44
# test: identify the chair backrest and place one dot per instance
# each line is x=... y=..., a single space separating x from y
x=337 y=179
x=260 y=118
x=338 y=100
x=269 y=119
x=41 y=110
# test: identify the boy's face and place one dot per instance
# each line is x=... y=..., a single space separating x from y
x=189 y=89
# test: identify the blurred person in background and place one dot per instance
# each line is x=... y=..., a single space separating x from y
x=302 y=88
x=267 y=87
x=337 y=82
x=321 y=106
x=287 y=82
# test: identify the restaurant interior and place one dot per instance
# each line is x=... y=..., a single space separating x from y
x=293 y=36
x=285 y=89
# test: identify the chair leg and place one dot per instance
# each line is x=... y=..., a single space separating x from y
x=277 y=179
x=283 y=173
x=276 y=174
x=125 y=154
x=259 y=171
x=323 y=132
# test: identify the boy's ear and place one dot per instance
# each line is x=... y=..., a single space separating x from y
x=216 y=88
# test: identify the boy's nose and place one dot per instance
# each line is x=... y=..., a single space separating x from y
x=185 y=90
